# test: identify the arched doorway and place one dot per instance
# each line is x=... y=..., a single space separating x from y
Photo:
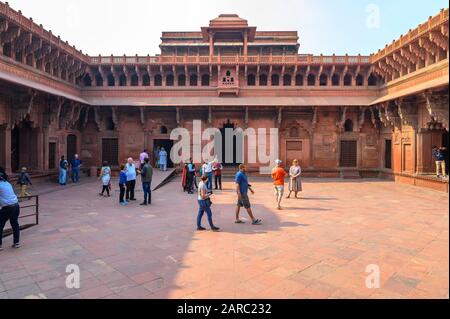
x=71 y=146
x=230 y=154
x=24 y=147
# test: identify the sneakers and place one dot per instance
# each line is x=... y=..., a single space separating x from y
x=124 y=203
x=215 y=229
x=143 y=204
x=16 y=246
x=257 y=222
x=201 y=229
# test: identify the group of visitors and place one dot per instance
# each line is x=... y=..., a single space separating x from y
x=243 y=187
x=127 y=180
x=74 y=165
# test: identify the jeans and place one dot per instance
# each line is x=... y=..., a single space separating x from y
x=147 y=192
x=203 y=208
x=210 y=181
x=105 y=188
x=122 y=193
x=10 y=213
x=218 y=180
x=131 y=185
x=76 y=175
x=62 y=176
x=163 y=167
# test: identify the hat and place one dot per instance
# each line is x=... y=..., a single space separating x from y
x=278 y=161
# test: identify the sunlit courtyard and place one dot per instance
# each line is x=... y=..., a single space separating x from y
x=324 y=245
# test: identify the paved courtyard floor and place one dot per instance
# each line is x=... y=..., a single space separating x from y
x=317 y=247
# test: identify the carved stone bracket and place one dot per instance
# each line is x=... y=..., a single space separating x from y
x=408 y=113
x=362 y=117
x=142 y=117
x=342 y=118
x=437 y=106
x=115 y=118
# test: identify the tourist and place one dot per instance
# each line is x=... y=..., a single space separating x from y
x=185 y=177
x=24 y=181
x=142 y=158
x=163 y=159
x=76 y=163
x=204 y=203
x=105 y=176
x=122 y=185
x=439 y=155
x=63 y=165
x=242 y=188
x=3 y=172
x=207 y=170
x=131 y=179
x=295 y=181
x=9 y=210
x=147 y=176
x=156 y=156
x=217 y=169
x=191 y=171
x=278 y=175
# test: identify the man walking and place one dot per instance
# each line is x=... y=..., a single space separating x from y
x=76 y=163
x=191 y=177
x=147 y=176
x=439 y=155
x=163 y=159
x=10 y=210
x=242 y=188
x=278 y=175
x=131 y=179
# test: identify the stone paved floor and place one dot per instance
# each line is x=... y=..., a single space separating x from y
x=317 y=247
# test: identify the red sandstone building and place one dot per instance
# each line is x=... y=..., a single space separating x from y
x=375 y=115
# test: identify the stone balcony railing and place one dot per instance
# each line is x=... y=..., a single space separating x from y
x=234 y=60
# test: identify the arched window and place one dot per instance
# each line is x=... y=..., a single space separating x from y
x=111 y=80
x=169 y=80
x=146 y=80
x=134 y=80
x=348 y=126
x=158 y=80
x=335 y=79
x=263 y=80
x=299 y=80
x=359 y=80
x=182 y=80
x=205 y=80
x=348 y=80
x=228 y=74
x=99 y=80
x=123 y=80
x=372 y=81
x=287 y=80
x=275 y=80
x=164 y=130
x=193 y=80
x=87 y=81
x=311 y=80
x=251 y=80
x=323 y=80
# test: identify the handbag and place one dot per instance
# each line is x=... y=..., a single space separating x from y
x=208 y=202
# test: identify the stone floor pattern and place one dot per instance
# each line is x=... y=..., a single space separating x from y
x=317 y=247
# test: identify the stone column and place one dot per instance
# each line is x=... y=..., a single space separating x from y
x=5 y=149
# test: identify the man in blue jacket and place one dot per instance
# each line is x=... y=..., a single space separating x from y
x=439 y=155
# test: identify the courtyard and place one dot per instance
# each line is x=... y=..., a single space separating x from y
x=316 y=247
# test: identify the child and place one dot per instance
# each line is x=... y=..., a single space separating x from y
x=105 y=176
x=122 y=185
x=24 y=181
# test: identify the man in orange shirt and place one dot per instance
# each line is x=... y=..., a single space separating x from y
x=278 y=175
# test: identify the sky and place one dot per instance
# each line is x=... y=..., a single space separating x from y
x=134 y=27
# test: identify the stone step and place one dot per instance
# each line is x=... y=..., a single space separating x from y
x=350 y=174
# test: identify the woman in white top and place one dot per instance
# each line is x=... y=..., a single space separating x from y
x=105 y=176
x=204 y=203
x=295 y=181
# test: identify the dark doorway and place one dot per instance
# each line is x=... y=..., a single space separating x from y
x=445 y=144
x=231 y=159
x=349 y=154
x=71 y=146
x=167 y=144
x=110 y=151
x=388 y=154
x=51 y=155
